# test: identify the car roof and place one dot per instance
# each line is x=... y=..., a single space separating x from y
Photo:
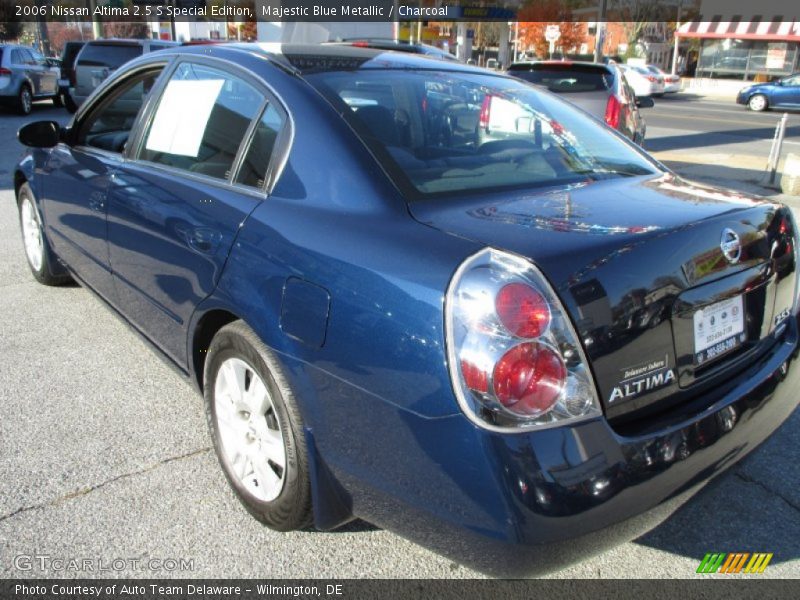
x=128 y=42
x=304 y=59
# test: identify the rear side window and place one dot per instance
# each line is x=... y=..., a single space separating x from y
x=201 y=120
x=256 y=161
x=108 y=55
x=565 y=80
x=1 y=55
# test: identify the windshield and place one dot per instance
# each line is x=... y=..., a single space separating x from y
x=438 y=132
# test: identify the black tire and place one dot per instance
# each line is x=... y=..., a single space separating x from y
x=70 y=104
x=25 y=100
x=50 y=271
x=291 y=509
x=58 y=101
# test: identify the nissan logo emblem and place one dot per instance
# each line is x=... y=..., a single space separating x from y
x=730 y=245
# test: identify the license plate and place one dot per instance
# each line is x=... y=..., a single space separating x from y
x=718 y=329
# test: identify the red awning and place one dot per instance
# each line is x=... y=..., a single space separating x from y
x=783 y=31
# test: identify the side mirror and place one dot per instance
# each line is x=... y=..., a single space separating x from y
x=40 y=134
x=645 y=102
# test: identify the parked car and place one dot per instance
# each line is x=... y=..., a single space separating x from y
x=67 y=75
x=99 y=58
x=783 y=93
x=390 y=324
x=643 y=82
x=599 y=89
x=672 y=83
x=26 y=76
x=399 y=46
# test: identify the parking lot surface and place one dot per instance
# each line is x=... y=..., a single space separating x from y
x=104 y=455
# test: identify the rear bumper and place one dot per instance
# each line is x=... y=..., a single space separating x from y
x=526 y=504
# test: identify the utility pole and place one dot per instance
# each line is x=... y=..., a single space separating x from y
x=97 y=27
x=600 y=35
x=42 y=39
x=677 y=39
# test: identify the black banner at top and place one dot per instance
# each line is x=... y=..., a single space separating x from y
x=400 y=10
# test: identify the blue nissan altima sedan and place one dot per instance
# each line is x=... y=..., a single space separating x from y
x=422 y=294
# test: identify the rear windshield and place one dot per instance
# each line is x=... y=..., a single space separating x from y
x=563 y=79
x=108 y=55
x=440 y=132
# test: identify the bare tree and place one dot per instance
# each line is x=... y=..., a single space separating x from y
x=10 y=25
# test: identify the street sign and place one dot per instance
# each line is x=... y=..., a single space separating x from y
x=552 y=33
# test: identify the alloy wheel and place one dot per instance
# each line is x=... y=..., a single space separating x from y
x=32 y=234
x=250 y=434
x=26 y=101
x=757 y=103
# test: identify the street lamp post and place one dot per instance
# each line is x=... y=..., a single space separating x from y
x=601 y=33
x=677 y=40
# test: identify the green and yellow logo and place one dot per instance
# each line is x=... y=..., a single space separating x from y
x=734 y=562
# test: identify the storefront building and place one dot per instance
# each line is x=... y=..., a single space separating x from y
x=745 y=50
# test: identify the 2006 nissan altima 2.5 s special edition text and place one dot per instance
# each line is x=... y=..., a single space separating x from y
x=422 y=294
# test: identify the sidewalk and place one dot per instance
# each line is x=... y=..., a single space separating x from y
x=741 y=172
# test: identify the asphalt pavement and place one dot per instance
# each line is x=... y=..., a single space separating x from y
x=104 y=455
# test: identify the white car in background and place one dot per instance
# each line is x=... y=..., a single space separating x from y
x=643 y=82
x=672 y=83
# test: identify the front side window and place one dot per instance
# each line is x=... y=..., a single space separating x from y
x=202 y=117
x=437 y=133
x=109 y=126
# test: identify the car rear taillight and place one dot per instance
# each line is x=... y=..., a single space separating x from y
x=4 y=71
x=486 y=108
x=613 y=109
x=515 y=360
x=652 y=78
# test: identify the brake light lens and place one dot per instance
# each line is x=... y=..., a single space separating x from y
x=652 y=78
x=522 y=310
x=515 y=360
x=4 y=71
x=613 y=109
x=486 y=107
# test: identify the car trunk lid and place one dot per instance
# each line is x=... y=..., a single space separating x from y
x=634 y=260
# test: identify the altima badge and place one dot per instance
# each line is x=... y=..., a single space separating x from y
x=730 y=245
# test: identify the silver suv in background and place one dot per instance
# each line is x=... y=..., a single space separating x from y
x=25 y=76
x=99 y=58
x=599 y=89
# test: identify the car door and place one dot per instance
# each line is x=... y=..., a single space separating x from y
x=48 y=76
x=33 y=69
x=19 y=68
x=176 y=207
x=77 y=175
x=787 y=93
